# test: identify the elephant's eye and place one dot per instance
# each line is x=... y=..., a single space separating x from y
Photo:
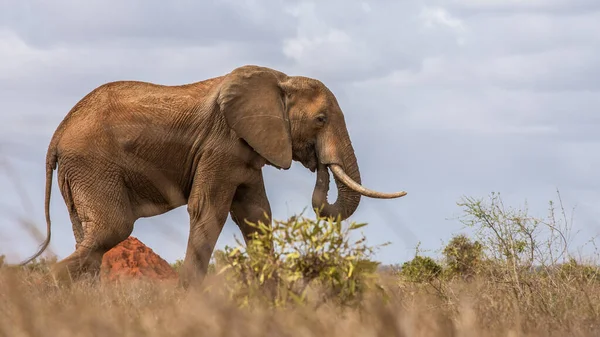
x=321 y=119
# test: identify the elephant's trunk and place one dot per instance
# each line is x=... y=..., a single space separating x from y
x=347 y=199
x=347 y=180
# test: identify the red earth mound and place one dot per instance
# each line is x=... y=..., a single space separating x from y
x=132 y=259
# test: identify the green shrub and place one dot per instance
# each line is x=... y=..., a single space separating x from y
x=463 y=256
x=282 y=262
x=420 y=269
x=574 y=270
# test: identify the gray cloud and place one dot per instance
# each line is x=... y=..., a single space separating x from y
x=499 y=7
x=142 y=23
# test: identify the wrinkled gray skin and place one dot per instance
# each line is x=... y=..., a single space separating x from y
x=132 y=149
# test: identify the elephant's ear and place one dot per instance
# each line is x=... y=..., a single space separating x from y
x=252 y=101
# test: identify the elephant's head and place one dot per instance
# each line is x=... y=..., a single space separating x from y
x=286 y=118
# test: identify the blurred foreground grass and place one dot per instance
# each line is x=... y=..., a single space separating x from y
x=305 y=277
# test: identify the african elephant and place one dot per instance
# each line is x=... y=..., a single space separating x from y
x=132 y=149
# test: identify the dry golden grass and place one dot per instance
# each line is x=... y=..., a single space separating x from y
x=503 y=299
x=144 y=308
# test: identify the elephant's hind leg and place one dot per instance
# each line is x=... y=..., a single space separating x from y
x=100 y=237
x=67 y=194
x=106 y=220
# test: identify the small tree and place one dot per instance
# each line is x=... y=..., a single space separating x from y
x=513 y=236
x=519 y=247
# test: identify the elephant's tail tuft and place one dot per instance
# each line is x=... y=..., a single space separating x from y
x=51 y=160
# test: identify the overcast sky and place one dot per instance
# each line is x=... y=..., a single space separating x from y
x=442 y=99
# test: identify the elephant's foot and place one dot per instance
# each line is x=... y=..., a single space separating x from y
x=82 y=264
x=191 y=275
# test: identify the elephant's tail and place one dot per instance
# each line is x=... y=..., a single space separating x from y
x=51 y=159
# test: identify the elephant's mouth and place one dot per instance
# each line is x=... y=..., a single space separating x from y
x=307 y=155
x=312 y=164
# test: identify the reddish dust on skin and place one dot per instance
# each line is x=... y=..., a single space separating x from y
x=132 y=259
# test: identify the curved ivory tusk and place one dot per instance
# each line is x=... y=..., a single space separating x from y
x=341 y=175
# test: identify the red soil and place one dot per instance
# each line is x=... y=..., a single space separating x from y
x=132 y=259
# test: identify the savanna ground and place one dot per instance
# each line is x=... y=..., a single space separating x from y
x=516 y=276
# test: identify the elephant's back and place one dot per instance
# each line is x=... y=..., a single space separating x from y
x=83 y=124
x=116 y=110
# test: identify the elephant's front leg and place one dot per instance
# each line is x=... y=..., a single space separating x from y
x=250 y=203
x=208 y=207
